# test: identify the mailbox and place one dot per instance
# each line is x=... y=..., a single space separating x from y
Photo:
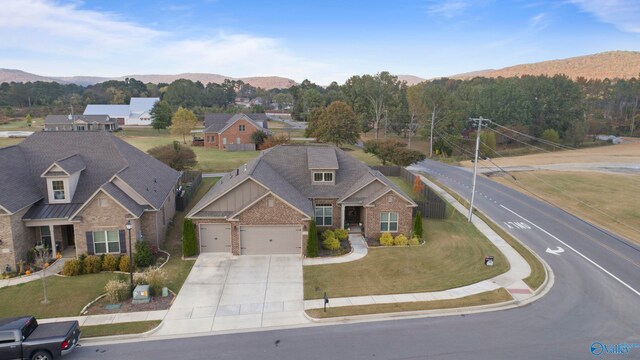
x=141 y=294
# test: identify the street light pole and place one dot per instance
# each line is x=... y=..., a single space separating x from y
x=129 y=226
x=475 y=167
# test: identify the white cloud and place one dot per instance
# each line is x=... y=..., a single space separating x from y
x=624 y=14
x=63 y=39
x=447 y=8
x=539 y=22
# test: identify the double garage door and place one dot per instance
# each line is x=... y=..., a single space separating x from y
x=254 y=240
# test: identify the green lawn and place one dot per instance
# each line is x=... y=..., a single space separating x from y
x=489 y=297
x=67 y=296
x=452 y=256
x=21 y=125
x=135 y=327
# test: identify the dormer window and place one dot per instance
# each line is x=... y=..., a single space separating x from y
x=323 y=177
x=58 y=190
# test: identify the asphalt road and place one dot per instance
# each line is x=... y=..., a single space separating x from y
x=594 y=299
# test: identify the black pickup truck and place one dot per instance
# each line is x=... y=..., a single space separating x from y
x=23 y=338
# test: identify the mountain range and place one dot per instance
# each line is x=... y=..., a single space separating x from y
x=611 y=64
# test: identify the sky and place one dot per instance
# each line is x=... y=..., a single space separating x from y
x=322 y=41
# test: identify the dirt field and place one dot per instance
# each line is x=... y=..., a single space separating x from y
x=627 y=152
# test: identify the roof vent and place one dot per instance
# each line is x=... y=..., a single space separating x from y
x=237 y=172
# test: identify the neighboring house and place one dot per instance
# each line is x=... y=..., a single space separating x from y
x=136 y=113
x=78 y=190
x=265 y=206
x=233 y=132
x=80 y=123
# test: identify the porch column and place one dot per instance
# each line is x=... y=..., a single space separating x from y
x=342 y=216
x=53 y=241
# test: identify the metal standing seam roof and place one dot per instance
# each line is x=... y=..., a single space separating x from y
x=114 y=111
x=43 y=211
x=142 y=104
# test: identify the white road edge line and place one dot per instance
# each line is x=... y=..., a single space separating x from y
x=574 y=250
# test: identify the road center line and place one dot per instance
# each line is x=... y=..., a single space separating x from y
x=574 y=250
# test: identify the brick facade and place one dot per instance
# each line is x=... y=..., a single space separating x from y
x=261 y=214
x=16 y=238
x=398 y=204
x=232 y=133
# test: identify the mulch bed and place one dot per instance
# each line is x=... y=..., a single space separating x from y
x=156 y=303
x=345 y=248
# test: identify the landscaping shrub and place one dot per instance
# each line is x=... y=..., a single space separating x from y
x=124 y=263
x=400 y=240
x=109 y=263
x=341 y=234
x=328 y=234
x=331 y=243
x=156 y=279
x=81 y=258
x=386 y=239
x=189 y=245
x=417 y=225
x=143 y=256
x=117 y=291
x=72 y=267
x=414 y=241
x=312 y=241
x=92 y=264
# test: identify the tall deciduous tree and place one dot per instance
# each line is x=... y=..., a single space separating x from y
x=161 y=115
x=183 y=122
x=337 y=124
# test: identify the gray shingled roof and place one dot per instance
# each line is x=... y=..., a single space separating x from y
x=72 y=164
x=104 y=156
x=285 y=171
x=123 y=199
x=320 y=157
x=216 y=122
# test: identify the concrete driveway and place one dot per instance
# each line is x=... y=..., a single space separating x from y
x=225 y=292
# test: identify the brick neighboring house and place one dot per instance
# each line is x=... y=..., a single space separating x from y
x=264 y=207
x=229 y=129
x=80 y=123
x=78 y=190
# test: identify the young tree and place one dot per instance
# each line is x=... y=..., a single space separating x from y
x=551 y=135
x=338 y=124
x=41 y=260
x=183 y=122
x=175 y=155
x=417 y=225
x=418 y=186
x=161 y=114
x=28 y=120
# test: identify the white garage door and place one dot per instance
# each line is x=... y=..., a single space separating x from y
x=269 y=240
x=215 y=238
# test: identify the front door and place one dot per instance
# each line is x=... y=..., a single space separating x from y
x=68 y=235
x=352 y=215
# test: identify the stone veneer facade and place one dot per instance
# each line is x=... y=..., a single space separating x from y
x=16 y=239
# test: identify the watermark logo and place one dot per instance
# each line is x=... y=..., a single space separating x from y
x=597 y=348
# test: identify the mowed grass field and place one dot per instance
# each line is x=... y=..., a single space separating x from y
x=607 y=200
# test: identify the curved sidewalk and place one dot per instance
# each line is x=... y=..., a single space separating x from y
x=54 y=269
x=358 y=251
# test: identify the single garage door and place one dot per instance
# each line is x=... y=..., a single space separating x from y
x=215 y=238
x=269 y=240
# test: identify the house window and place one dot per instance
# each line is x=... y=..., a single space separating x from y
x=270 y=202
x=389 y=221
x=58 y=189
x=106 y=242
x=323 y=177
x=224 y=141
x=241 y=128
x=389 y=198
x=103 y=202
x=238 y=140
x=45 y=235
x=324 y=215
x=80 y=127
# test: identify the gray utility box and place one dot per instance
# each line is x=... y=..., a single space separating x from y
x=141 y=294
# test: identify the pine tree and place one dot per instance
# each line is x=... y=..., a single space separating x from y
x=312 y=240
x=417 y=225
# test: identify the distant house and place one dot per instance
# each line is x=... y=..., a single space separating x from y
x=136 y=113
x=80 y=123
x=77 y=191
x=232 y=132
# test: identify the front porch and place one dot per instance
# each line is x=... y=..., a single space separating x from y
x=352 y=217
x=60 y=237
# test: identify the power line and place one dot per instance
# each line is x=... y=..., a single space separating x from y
x=565 y=147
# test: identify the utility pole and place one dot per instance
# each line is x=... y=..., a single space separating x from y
x=433 y=120
x=475 y=165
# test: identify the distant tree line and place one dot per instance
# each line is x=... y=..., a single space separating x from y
x=381 y=103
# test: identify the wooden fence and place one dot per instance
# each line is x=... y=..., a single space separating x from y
x=432 y=207
x=240 y=147
x=187 y=187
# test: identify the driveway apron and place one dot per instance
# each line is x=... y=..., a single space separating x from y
x=225 y=292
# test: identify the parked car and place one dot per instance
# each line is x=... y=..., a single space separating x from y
x=24 y=338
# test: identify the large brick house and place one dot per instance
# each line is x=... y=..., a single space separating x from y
x=78 y=190
x=222 y=130
x=264 y=207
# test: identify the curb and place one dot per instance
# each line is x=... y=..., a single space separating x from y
x=101 y=339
